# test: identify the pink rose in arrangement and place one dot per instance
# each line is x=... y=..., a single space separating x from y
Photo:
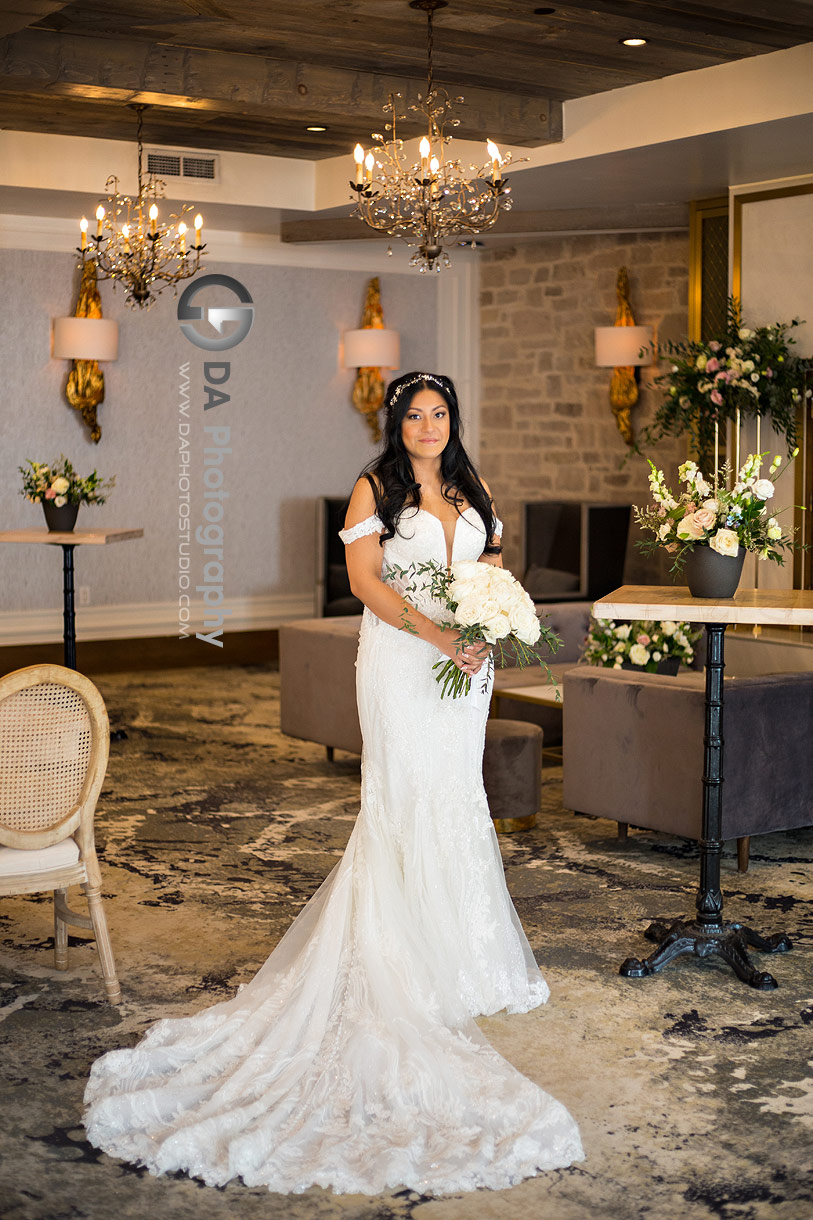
x=716 y=397
x=714 y=345
x=50 y=494
x=705 y=517
x=690 y=529
x=643 y=638
x=712 y=365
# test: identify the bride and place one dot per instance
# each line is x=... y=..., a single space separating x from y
x=352 y=1060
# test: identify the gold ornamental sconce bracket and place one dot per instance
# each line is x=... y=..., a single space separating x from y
x=620 y=348
x=86 y=338
x=370 y=350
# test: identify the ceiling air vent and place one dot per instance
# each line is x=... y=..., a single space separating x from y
x=200 y=167
x=181 y=165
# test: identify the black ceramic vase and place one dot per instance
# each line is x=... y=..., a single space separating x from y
x=59 y=520
x=711 y=575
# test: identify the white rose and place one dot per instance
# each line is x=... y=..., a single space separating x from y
x=489 y=608
x=60 y=485
x=725 y=542
x=638 y=654
x=711 y=506
x=467 y=612
x=529 y=630
x=466 y=569
x=59 y=501
x=668 y=627
x=622 y=632
x=774 y=532
x=656 y=656
x=763 y=489
x=496 y=628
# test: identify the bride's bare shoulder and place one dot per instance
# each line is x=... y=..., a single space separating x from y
x=362 y=502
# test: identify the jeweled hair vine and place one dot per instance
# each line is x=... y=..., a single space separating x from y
x=415 y=381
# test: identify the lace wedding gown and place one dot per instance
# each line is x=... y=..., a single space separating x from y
x=351 y=1060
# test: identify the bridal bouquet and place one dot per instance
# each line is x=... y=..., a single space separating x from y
x=486 y=606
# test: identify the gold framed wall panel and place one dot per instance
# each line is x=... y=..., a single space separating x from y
x=803 y=479
x=702 y=212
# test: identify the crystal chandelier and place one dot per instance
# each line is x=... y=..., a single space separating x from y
x=430 y=200
x=132 y=247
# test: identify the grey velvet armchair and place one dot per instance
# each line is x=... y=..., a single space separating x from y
x=633 y=751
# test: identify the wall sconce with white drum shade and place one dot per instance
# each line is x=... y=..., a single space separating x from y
x=620 y=346
x=85 y=339
x=372 y=347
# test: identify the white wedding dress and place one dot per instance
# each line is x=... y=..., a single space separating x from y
x=351 y=1060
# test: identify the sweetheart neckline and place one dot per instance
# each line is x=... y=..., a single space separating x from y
x=434 y=516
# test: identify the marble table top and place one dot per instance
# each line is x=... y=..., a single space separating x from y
x=99 y=537
x=784 y=607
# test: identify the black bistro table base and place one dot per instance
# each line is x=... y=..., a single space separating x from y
x=708 y=934
x=729 y=941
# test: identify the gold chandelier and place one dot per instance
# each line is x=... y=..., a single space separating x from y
x=426 y=202
x=132 y=247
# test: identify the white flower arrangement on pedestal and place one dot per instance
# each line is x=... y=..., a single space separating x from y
x=723 y=518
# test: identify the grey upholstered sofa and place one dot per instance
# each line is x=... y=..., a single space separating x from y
x=633 y=751
x=318 y=677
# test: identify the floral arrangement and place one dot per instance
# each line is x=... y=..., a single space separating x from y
x=486 y=605
x=750 y=371
x=724 y=518
x=640 y=643
x=60 y=483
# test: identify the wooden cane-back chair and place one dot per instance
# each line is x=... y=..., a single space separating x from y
x=54 y=742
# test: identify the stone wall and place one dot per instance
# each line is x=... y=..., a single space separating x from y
x=546 y=427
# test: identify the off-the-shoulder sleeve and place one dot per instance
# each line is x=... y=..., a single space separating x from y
x=370 y=525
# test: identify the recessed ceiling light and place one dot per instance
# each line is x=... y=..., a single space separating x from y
x=633 y=42
x=316 y=128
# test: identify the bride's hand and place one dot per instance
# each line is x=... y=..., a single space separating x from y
x=469 y=658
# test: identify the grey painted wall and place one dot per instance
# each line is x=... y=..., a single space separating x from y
x=294 y=433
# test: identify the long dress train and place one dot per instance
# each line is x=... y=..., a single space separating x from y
x=351 y=1060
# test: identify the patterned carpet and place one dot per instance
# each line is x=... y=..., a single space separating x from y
x=694 y=1093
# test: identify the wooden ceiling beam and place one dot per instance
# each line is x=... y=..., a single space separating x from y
x=730 y=24
x=18 y=14
x=106 y=69
x=635 y=218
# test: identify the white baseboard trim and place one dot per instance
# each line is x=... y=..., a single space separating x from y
x=143 y=620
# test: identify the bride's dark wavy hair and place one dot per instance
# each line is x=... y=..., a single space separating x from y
x=391 y=475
